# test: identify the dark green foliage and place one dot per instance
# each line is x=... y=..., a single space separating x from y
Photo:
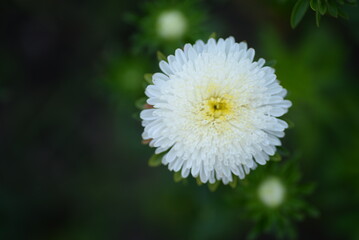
x=333 y=8
x=298 y=12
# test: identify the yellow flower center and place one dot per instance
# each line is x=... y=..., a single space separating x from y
x=217 y=108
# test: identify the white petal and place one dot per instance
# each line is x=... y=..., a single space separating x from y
x=165 y=68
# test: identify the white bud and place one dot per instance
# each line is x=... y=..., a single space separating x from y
x=271 y=192
x=171 y=24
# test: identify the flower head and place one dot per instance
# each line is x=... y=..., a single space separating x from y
x=214 y=111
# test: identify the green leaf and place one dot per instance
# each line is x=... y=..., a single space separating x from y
x=198 y=181
x=156 y=159
x=148 y=78
x=322 y=7
x=140 y=103
x=161 y=56
x=317 y=18
x=213 y=186
x=332 y=9
x=233 y=184
x=298 y=12
x=213 y=35
x=314 y=5
x=177 y=177
x=276 y=157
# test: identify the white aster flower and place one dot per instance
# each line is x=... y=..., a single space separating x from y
x=271 y=192
x=214 y=111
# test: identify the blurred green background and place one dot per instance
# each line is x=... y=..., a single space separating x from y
x=72 y=162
